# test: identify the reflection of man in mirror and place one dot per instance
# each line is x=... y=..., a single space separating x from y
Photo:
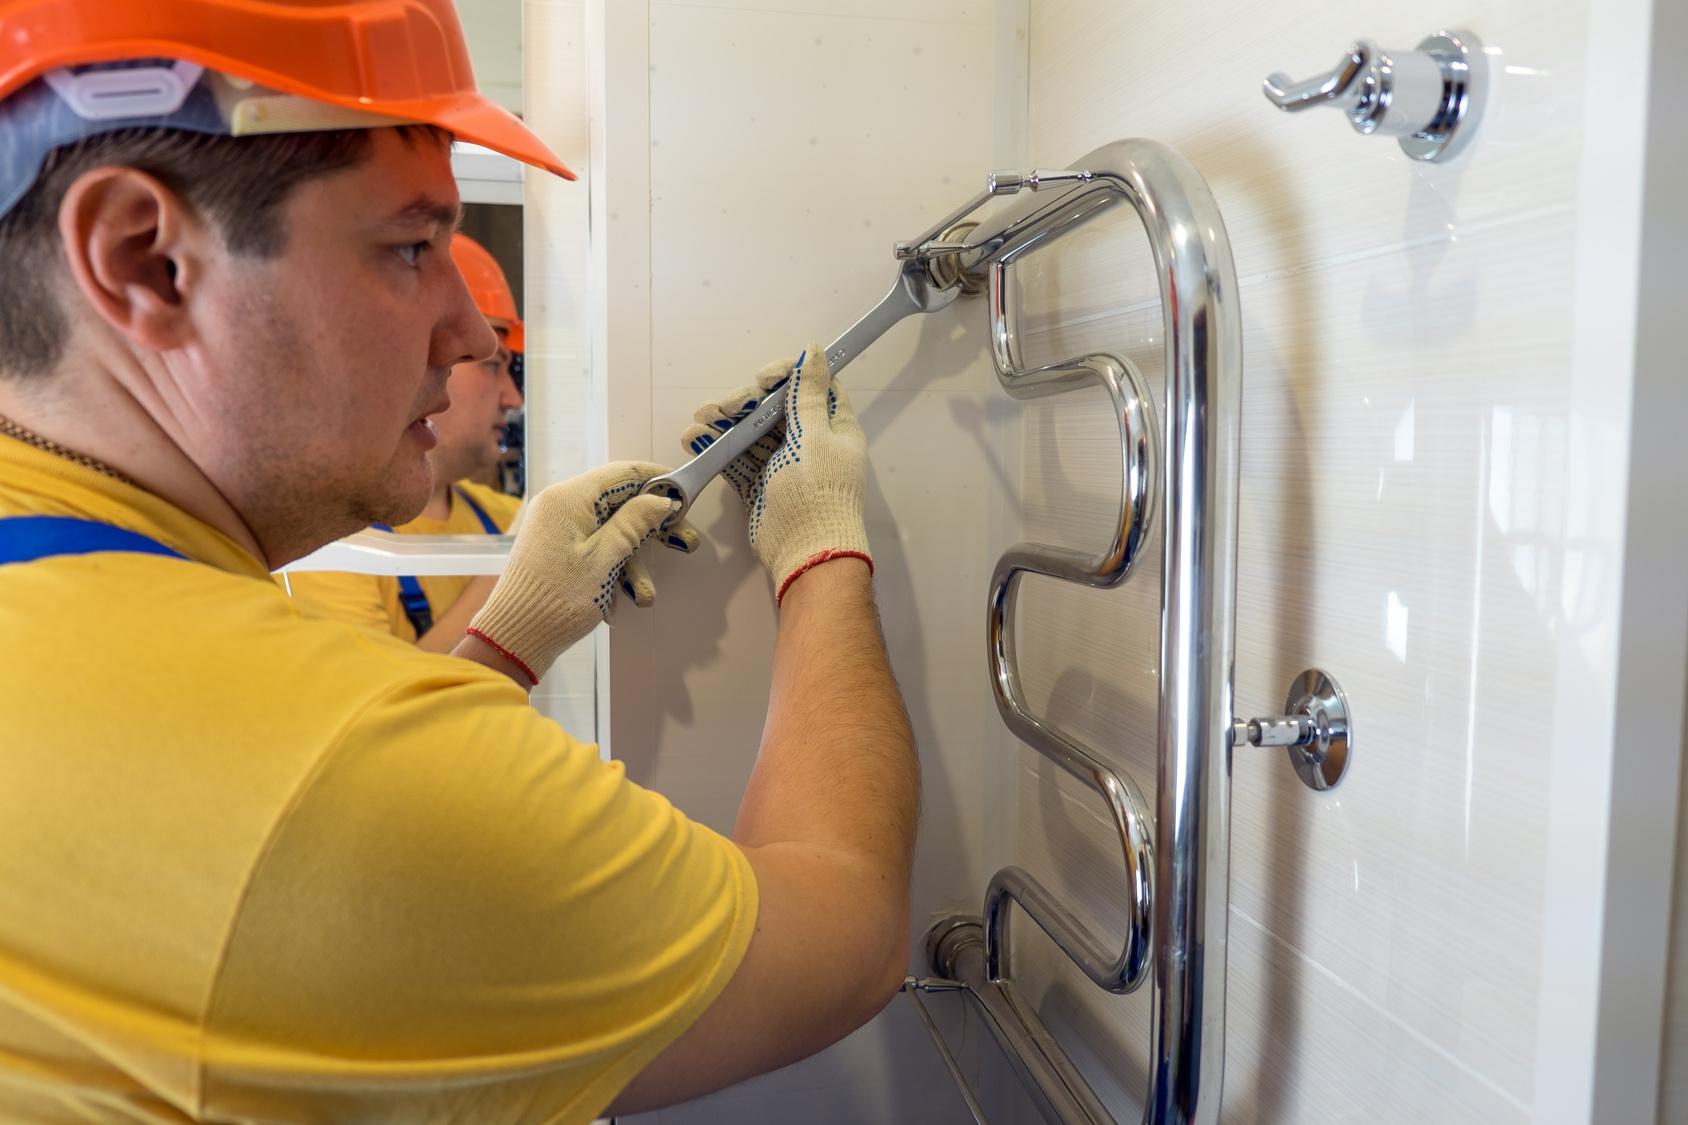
x=260 y=864
x=434 y=609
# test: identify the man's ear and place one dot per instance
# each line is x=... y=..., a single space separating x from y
x=134 y=250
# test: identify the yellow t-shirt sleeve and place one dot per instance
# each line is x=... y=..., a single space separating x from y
x=466 y=915
x=367 y=600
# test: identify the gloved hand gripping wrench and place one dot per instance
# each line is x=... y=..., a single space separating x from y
x=912 y=293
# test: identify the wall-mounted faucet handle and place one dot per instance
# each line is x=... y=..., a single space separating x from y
x=1288 y=94
x=1430 y=97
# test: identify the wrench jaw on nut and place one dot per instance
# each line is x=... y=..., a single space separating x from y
x=666 y=487
x=912 y=292
x=687 y=482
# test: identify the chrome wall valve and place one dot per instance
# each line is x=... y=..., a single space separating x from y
x=1316 y=729
x=1430 y=98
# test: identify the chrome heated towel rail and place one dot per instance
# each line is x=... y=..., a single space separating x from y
x=1176 y=865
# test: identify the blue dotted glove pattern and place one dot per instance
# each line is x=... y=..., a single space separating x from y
x=779 y=448
x=602 y=509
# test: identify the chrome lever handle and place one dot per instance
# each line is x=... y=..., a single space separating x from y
x=1288 y=94
x=1430 y=97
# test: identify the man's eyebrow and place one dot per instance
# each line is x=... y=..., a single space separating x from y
x=424 y=209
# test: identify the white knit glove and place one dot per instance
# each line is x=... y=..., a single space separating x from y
x=802 y=483
x=573 y=552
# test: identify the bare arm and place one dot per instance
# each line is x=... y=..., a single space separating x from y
x=828 y=824
x=473 y=648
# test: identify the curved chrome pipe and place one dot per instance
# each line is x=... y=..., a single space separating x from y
x=956 y=948
x=1127 y=970
x=1190 y=861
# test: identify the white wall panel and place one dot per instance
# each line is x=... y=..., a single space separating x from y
x=1410 y=521
x=789 y=145
x=562 y=413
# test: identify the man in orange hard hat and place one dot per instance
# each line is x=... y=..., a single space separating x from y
x=261 y=865
x=493 y=296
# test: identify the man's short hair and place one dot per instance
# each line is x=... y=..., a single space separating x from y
x=238 y=183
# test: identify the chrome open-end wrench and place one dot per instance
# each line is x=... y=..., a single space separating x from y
x=912 y=293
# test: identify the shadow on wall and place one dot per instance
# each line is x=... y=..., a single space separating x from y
x=947 y=346
x=890 y=1072
x=716 y=579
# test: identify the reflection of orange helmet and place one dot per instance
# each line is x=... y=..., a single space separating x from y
x=403 y=59
x=489 y=288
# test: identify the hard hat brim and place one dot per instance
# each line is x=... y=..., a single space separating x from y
x=465 y=112
x=478 y=119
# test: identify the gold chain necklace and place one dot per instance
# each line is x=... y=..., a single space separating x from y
x=29 y=437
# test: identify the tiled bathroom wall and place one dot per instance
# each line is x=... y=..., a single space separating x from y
x=1425 y=513
x=1435 y=440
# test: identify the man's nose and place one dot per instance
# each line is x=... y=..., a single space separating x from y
x=464 y=330
x=511 y=395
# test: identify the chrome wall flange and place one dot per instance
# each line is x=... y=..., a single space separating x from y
x=1316 y=730
x=945 y=269
x=1465 y=80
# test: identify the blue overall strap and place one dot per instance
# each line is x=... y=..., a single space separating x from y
x=411 y=598
x=480 y=512
x=28 y=538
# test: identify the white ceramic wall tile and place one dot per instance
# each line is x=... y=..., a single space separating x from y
x=1306 y=188
x=1404 y=524
x=1286 y=1016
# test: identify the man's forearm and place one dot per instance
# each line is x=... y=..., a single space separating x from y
x=837 y=768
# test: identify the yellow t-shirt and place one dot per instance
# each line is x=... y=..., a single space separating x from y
x=373 y=600
x=258 y=865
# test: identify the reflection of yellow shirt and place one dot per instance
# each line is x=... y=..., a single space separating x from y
x=373 y=600
x=256 y=864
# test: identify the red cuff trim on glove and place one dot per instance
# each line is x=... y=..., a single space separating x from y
x=505 y=653
x=814 y=561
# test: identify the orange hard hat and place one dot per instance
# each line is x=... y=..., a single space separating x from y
x=403 y=59
x=489 y=288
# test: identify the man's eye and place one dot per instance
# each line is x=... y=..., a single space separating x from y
x=412 y=253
